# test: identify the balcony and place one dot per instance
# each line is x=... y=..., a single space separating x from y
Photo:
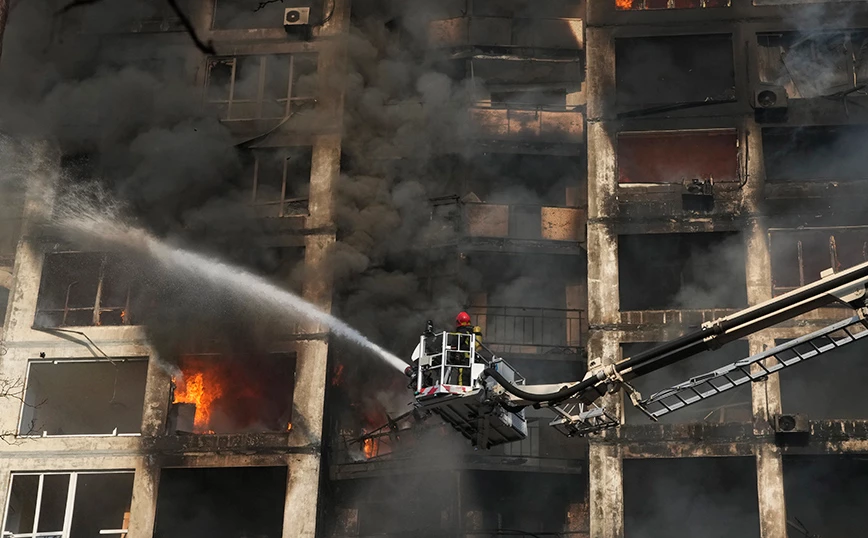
x=507 y=228
x=531 y=331
x=529 y=124
x=566 y=35
x=389 y=449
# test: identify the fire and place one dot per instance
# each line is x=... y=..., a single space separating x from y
x=371 y=447
x=337 y=378
x=200 y=389
x=289 y=427
x=624 y=4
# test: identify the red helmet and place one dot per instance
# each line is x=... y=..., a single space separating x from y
x=462 y=319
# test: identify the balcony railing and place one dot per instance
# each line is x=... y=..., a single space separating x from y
x=513 y=221
x=520 y=330
x=529 y=124
x=289 y=207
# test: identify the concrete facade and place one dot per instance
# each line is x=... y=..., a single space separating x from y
x=335 y=489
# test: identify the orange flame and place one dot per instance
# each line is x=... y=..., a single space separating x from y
x=370 y=447
x=624 y=4
x=337 y=378
x=289 y=427
x=200 y=389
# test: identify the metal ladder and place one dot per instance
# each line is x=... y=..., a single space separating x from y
x=733 y=375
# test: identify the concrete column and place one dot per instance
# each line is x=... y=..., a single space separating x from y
x=606 y=490
x=770 y=491
x=143 y=508
x=41 y=177
x=302 y=489
x=766 y=395
x=605 y=466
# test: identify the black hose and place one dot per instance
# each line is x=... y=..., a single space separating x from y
x=524 y=395
x=755 y=313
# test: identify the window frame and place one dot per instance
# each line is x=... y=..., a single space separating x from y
x=97 y=309
x=288 y=207
x=288 y=99
x=69 y=510
x=32 y=434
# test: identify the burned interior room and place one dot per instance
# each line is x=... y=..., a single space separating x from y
x=232 y=394
x=224 y=502
x=682 y=271
x=674 y=70
x=690 y=497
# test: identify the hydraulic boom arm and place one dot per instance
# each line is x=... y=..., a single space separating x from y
x=483 y=397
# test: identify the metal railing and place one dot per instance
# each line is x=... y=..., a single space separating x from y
x=512 y=329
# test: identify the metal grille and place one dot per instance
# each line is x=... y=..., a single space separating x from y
x=508 y=329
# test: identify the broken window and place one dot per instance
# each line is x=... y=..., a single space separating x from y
x=707 y=497
x=84 y=397
x=815 y=153
x=828 y=387
x=678 y=156
x=815 y=64
x=221 y=502
x=69 y=505
x=623 y=5
x=674 y=70
x=225 y=394
x=682 y=271
x=799 y=256
x=734 y=406
x=825 y=495
x=279 y=181
x=84 y=289
x=240 y=14
x=261 y=87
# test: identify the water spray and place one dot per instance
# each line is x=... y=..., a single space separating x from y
x=83 y=222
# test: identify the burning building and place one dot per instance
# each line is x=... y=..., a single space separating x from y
x=584 y=178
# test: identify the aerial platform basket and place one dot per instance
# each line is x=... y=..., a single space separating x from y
x=448 y=369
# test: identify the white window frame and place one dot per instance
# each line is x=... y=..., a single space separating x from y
x=45 y=434
x=70 y=504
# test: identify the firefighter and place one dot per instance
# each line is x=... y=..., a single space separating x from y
x=463 y=325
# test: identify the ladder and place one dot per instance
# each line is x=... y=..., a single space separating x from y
x=756 y=367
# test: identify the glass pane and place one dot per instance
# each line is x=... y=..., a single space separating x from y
x=102 y=502
x=53 y=507
x=246 y=78
x=22 y=504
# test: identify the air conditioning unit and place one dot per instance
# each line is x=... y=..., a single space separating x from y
x=791 y=424
x=296 y=16
x=769 y=97
x=296 y=21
